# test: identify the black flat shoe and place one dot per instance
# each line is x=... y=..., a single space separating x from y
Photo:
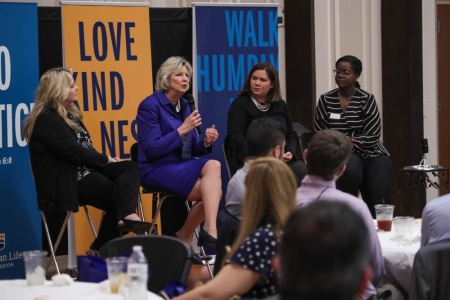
x=198 y=260
x=137 y=227
x=204 y=237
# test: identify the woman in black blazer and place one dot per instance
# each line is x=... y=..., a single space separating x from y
x=68 y=170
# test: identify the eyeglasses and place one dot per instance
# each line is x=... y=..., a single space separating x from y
x=342 y=72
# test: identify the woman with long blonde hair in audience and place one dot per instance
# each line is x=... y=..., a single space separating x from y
x=269 y=200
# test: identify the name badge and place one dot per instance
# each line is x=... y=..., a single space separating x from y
x=335 y=116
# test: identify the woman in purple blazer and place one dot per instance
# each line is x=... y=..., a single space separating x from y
x=170 y=146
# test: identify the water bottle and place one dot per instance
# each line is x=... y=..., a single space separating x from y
x=137 y=274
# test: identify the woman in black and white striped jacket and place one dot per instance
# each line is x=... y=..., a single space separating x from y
x=354 y=112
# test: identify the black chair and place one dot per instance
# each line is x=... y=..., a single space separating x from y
x=304 y=142
x=303 y=135
x=228 y=229
x=158 y=198
x=431 y=273
x=168 y=258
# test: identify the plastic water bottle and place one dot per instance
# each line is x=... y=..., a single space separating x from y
x=137 y=274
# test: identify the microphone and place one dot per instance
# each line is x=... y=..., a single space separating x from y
x=191 y=102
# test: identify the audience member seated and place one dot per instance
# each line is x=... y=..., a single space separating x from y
x=169 y=150
x=265 y=137
x=260 y=97
x=326 y=156
x=354 y=112
x=269 y=200
x=68 y=170
x=324 y=254
x=436 y=221
x=431 y=272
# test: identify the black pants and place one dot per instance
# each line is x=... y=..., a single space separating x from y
x=373 y=177
x=113 y=189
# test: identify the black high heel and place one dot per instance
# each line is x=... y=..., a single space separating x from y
x=198 y=259
x=137 y=227
x=204 y=237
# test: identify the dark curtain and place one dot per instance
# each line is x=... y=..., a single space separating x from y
x=50 y=38
x=171 y=35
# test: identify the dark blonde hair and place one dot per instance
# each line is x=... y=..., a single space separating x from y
x=270 y=187
x=275 y=92
x=53 y=90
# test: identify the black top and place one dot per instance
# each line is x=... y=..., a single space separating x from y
x=241 y=114
x=55 y=155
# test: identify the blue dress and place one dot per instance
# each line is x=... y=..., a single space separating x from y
x=161 y=167
x=255 y=254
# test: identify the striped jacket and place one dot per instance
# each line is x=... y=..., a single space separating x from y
x=361 y=121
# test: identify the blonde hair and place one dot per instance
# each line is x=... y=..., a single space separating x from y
x=53 y=90
x=171 y=65
x=270 y=187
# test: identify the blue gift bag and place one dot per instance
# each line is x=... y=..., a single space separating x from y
x=91 y=269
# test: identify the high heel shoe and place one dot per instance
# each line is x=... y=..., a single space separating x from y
x=204 y=237
x=137 y=227
x=198 y=259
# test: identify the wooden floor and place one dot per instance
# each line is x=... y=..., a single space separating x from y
x=198 y=274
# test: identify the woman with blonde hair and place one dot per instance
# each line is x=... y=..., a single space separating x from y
x=172 y=154
x=68 y=170
x=269 y=200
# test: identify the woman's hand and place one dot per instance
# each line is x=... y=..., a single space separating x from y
x=193 y=121
x=211 y=135
x=287 y=157
x=113 y=159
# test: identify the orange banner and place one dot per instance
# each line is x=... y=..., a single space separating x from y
x=108 y=48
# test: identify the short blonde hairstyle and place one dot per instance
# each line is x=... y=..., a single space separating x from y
x=171 y=65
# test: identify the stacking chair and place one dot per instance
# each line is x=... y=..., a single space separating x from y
x=158 y=198
x=168 y=258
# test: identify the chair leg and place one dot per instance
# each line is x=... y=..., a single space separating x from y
x=141 y=208
x=158 y=210
x=54 y=248
x=91 y=223
x=202 y=250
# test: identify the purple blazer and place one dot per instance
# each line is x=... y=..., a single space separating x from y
x=159 y=151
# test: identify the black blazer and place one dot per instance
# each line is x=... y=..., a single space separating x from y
x=54 y=156
x=241 y=114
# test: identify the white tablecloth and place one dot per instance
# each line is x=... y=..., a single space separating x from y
x=399 y=257
x=18 y=290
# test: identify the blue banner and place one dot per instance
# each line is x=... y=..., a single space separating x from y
x=228 y=41
x=20 y=224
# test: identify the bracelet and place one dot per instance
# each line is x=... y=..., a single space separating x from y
x=206 y=144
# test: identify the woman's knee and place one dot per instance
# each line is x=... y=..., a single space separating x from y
x=213 y=166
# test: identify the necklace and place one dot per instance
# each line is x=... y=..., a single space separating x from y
x=261 y=107
x=178 y=107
